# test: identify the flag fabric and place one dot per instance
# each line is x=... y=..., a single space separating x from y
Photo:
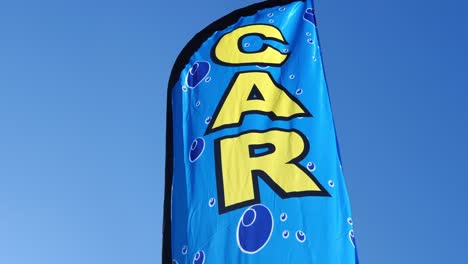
x=253 y=171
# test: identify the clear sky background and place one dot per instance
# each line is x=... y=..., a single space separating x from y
x=82 y=124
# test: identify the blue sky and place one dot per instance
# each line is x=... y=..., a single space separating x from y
x=82 y=117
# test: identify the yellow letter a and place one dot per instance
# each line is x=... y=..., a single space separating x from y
x=255 y=93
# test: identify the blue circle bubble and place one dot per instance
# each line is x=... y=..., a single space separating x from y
x=196 y=149
x=184 y=88
x=184 y=250
x=311 y=41
x=271 y=21
x=197 y=73
x=311 y=166
x=285 y=234
x=314 y=58
x=350 y=221
x=211 y=202
x=300 y=236
x=199 y=257
x=197 y=104
x=254 y=229
x=331 y=183
x=247 y=45
x=208 y=120
x=285 y=50
x=282 y=8
x=352 y=238
x=309 y=15
x=207 y=79
x=299 y=91
x=292 y=76
x=308 y=34
x=270 y=14
x=283 y=217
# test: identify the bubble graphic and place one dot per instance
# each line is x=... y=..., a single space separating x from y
x=254 y=229
x=196 y=149
x=311 y=166
x=331 y=183
x=285 y=50
x=207 y=79
x=300 y=236
x=352 y=238
x=199 y=257
x=311 y=41
x=282 y=9
x=184 y=250
x=292 y=76
x=271 y=21
x=285 y=234
x=184 y=88
x=211 y=202
x=208 y=120
x=197 y=73
x=270 y=14
x=247 y=45
x=309 y=15
x=308 y=34
x=283 y=217
x=174 y=261
x=197 y=104
x=299 y=91
x=314 y=58
x=350 y=221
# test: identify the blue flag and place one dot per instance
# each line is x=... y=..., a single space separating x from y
x=253 y=172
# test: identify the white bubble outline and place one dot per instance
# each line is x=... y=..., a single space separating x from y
x=297 y=233
x=351 y=234
x=287 y=235
x=199 y=256
x=331 y=183
x=184 y=248
x=191 y=73
x=349 y=220
x=253 y=220
x=214 y=202
x=269 y=237
x=286 y=217
x=311 y=13
x=203 y=149
x=310 y=163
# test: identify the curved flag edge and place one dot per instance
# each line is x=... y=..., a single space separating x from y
x=182 y=60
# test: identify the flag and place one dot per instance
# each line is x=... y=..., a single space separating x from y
x=253 y=171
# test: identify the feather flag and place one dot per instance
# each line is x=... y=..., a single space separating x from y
x=253 y=172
